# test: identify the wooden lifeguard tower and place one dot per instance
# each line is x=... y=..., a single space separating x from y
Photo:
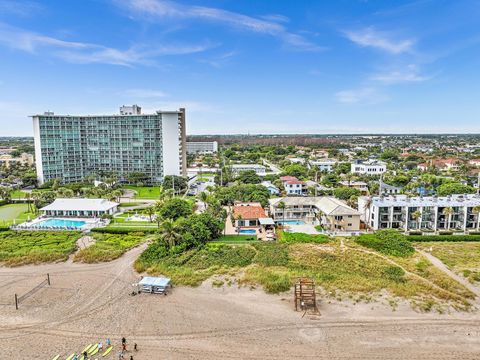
x=305 y=297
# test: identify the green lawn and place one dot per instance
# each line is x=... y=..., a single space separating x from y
x=18 y=194
x=19 y=212
x=145 y=192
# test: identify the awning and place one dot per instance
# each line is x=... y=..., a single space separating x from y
x=266 y=221
x=154 y=281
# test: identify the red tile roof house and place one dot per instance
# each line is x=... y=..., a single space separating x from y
x=248 y=214
x=441 y=164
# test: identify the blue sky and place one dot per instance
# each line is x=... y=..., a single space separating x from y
x=344 y=66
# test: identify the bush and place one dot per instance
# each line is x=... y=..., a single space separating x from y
x=34 y=247
x=388 y=242
x=271 y=254
x=394 y=273
x=449 y=238
x=124 y=230
x=109 y=247
x=290 y=238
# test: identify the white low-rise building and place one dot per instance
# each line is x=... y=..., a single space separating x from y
x=271 y=188
x=80 y=208
x=238 y=168
x=326 y=165
x=368 y=167
x=428 y=214
x=202 y=147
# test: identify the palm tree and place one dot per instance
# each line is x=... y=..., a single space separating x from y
x=281 y=205
x=150 y=211
x=448 y=212
x=6 y=193
x=417 y=216
x=476 y=210
x=169 y=232
x=204 y=198
x=366 y=207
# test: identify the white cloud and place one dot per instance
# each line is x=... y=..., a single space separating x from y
x=159 y=9
x=369 y=37
x=365 y=95
x=86 y=53
x=410 y=74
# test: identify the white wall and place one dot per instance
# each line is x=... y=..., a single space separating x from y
x=171 y=144
x=38 y=149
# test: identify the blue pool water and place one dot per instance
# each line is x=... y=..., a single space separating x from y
x=61 y=223
x=247 y=231
x=291 y=222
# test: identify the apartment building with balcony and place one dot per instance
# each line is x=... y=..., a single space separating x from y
x=73 y=147
x=457 y=213
x=333 y=214
x=368 y=167
x=202 y=147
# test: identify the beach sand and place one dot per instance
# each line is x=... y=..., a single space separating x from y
x=90 y=303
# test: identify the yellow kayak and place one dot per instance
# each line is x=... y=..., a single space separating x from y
x=56 y=357
x=87 y=348
x=70 y=357
x=107 y=351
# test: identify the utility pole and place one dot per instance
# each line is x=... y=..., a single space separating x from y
x=478 y=184
x=380 y=185
x=316 y=183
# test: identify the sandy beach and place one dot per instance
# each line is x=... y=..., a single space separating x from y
x=90 y=303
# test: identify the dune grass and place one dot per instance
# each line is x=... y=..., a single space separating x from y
x=460 y=257
x=340 y=270
x=108 y=247
x=35 y=247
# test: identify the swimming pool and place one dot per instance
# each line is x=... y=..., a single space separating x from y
x=291 y=222
x=247 y=231
x=60 y=223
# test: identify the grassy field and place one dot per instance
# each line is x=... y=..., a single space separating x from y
x=18 y=194
x=109 y=247
x=461 y=257
x=341 y=268
x=34 y=247
x=145 y=192
x=19 y=212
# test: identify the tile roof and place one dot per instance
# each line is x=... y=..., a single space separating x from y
x=249 y=212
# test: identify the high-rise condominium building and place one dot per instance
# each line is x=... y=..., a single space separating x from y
x=71 y=148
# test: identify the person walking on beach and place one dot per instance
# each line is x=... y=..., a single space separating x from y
x=108 y=342
x=100 y=346
x=124 y=341
x=131 y=357
x=135 y=347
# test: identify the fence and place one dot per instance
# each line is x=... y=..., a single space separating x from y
x=19 y=299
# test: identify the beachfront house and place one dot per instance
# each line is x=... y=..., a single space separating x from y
x=331 y=213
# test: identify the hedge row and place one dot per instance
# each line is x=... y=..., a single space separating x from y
x=428 y=238
x=124 y=230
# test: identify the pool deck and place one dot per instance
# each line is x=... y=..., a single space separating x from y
x=90 y=223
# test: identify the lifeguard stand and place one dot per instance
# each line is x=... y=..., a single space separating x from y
x=305 y=297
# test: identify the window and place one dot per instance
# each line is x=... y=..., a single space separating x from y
x=349 y=224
